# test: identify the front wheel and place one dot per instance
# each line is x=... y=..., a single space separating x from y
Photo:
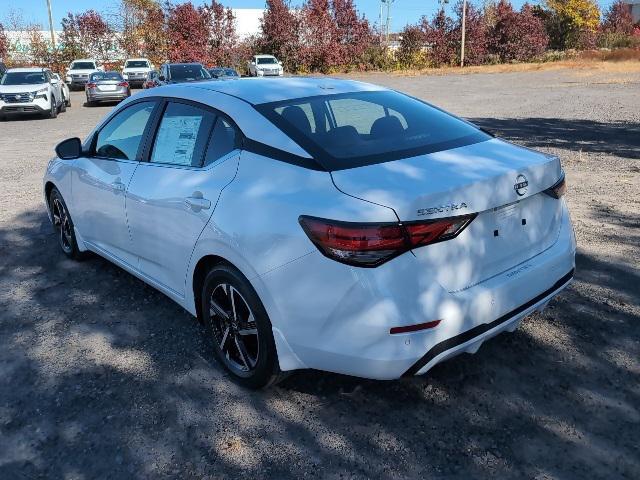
x=239 y=328
x=53 y=112
x=63 y=225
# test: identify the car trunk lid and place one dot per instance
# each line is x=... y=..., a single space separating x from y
x=498 y=181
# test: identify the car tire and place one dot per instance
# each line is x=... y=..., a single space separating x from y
x=90 y=103
x=68 y=101
x=53 y=111
x=63 y=226
x=238 y=328
x=63 y=105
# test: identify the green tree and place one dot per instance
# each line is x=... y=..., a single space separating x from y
x=572 y=23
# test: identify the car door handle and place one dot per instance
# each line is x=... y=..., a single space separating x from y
x=118 y=186
x=198 y=203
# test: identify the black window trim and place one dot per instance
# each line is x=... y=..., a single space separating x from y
x=331 y=163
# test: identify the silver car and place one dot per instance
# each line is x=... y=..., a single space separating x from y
x=106 y=87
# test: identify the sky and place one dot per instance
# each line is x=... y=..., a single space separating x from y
x=403 y=11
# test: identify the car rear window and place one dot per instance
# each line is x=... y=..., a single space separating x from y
x=188 y=73
x=361 y=128
x=97 y=77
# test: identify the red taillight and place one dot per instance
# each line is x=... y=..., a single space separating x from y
x=558 y=189
x=123 y=84
x=372 y=244
x=91 y=85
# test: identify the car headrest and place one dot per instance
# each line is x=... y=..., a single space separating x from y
x=343 y=135
x=296 y=117
x=386 y=127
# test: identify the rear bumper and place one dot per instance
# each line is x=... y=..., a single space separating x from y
x=471 y=340
x=107 y=97
x=332 y=317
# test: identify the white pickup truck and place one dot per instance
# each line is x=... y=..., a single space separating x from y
x=135 y=70
x=79 y=71
x=265 y=66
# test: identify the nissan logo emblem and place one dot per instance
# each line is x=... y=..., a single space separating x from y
x=521 y=185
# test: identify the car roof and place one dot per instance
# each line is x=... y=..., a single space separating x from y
x=85 y=60
x=137 y=58
x=265 y=55
x=27 y=69
x=266 y=90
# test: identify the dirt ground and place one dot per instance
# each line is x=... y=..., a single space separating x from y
x=103 y=377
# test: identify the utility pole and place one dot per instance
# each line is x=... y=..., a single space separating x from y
x=387 y=21
x=464 y=26
x=53 y=36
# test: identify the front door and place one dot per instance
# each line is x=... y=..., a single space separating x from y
x=172 y=196
x=101 y=179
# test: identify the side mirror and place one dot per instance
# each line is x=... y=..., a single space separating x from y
x=252 y=62
x=69 y=149
x=161 y=78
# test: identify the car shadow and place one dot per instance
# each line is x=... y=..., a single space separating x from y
x=102 y=376
x=618 y=138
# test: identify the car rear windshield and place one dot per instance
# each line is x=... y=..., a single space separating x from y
x=355 y=129
x=23 y=78
x=98 y=77
x=136 y=64
x=188 y=73
x=266 y=61
x=83 y=66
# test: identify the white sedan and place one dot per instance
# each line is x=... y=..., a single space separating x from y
x=318 y=223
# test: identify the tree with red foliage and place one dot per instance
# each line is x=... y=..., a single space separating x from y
x=412 y=44
x=475 y=45
x=320 y=50
x=4 y=43
x=354 y=34
x=517 y=36
x=618 y=19
x=439 y=35
x=280 y=30
x=95 y=35
x=71 y=46
x=222 y=37
x=188 y=34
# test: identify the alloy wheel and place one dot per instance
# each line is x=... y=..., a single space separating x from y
x=234 y=329
x=62 y=224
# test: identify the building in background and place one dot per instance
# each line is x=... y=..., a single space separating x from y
x=635 y=9
x=247 y=24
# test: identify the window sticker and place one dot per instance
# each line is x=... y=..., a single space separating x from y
x=177 y=140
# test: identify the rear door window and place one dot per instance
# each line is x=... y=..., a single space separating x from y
x=182 y=135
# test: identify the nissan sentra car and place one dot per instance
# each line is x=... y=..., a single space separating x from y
x=317 y=223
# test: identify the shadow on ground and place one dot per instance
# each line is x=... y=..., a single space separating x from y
x=103 y=377
x=618 y=138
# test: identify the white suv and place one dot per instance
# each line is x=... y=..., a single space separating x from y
x=265 y=65
x=30 y=90
x=135 y=71
x=79 y=71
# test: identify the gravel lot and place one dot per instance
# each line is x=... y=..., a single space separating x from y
x=103 y=377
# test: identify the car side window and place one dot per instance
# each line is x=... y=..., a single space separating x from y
x=224 y=139
x=120 y=138
x=182 y=135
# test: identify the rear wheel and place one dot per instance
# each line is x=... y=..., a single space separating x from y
x=63 y=105
x=63 y=225
x=68 y=101
x=239 y=328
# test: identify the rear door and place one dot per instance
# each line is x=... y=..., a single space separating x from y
x=172 y=195
x=101 y=178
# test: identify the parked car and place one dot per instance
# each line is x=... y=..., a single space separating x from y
x=182 y=73
x=264 y=66
x=106 y=87
x=135 y=71
x=64 y=88
x=318 y=223
x=30 y=90
x=224 y=72
x=79 y=71
x=152 y=80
